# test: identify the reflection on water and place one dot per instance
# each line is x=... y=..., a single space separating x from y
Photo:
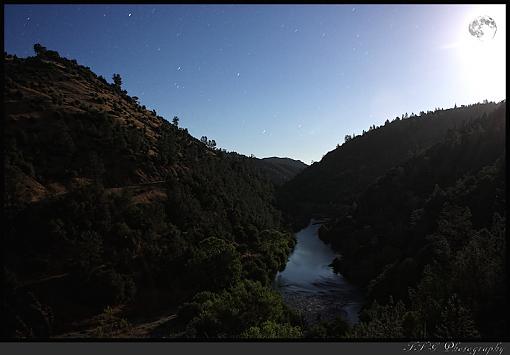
x=309 y=284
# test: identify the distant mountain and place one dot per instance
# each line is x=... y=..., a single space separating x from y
x=328 y=186
x=280 y=170
x=110 y=206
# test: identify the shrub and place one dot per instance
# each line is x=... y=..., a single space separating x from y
x=216 y=264
x=271 y=330
x=108 y=287
x=234 y=311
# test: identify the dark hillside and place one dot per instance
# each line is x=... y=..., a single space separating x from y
x=431 y=229
x=111 y=207
x=327 y=186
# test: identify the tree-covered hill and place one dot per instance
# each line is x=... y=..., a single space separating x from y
x=428 y=239
x=327 y=186
x=109 y=206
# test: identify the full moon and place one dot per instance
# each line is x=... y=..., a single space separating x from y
x=483 y=28
x=481 y=54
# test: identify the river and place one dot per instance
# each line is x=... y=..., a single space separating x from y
x=309 y=285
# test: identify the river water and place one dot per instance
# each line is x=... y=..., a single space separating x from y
x=309 y=285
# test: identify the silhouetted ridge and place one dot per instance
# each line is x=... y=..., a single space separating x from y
x=327 y=186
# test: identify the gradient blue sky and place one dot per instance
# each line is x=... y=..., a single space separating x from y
x=276 y=80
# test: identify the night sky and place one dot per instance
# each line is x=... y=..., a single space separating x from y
x=273 y=80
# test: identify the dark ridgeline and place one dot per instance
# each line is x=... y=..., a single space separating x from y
x=110 y=207
x=418 y=215
x=330 y=185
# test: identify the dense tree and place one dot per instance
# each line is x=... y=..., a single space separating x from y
x=39 y=49
x=117 y=81
x=220 y=261
x=247 y=309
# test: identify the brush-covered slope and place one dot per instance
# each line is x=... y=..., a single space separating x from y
x=110 y=205
x=346 y=171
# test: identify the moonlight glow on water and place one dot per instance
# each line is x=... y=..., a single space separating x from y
x=309 y=285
